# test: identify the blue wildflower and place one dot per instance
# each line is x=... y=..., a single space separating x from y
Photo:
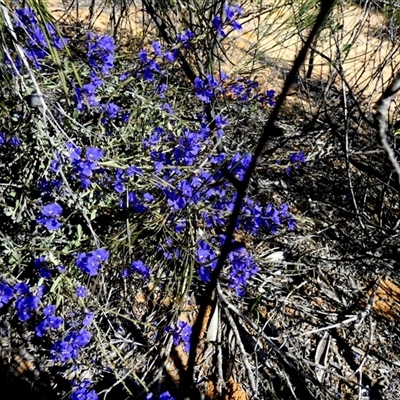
x=40 y=265
x=63 y=351
x=140 y=267
x=181 y=334
x=54 y=165
x=67 y=349
x=185 y=37
x=6 y=294
x=25 y=17
x=49 y=216
x=81 y=291
x=87 y=319
x=157 y=48
x=14 y=141
x=21 y=288
x=74 y=152
x=172 y=55
x=133 y=170
x=92 y=262
x=51 y=322
x=125 y=117
x=298 y=158
x=101 y=52
x=84 y=394
x=243 y=268
x=123 y=77
x=143 y=56
x=53 y=210
x=148 y=74
x=166 y=396
x=207 y=259
x=112 y=110
x=25 y=306
x=94 y=154
x=217 y=23
x=49 y=310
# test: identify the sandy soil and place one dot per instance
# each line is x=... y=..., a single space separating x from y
x=365 y=61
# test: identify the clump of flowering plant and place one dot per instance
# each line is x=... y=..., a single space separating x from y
x=131 y=179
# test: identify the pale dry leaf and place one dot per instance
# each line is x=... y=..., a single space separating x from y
x=212 y=331
x=321 y=354
x=276 y=256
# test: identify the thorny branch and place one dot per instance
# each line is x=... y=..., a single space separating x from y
x=382 y=108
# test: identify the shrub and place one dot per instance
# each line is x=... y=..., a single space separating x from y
x=120 y=189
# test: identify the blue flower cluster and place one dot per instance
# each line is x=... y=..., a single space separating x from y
x=11 y=141
x=68 y=348
x=50 y=322
x=150 y=66
x=50 y=214
x=101 y=53
x=207 y=89
x=181 y=334
x=84 y=166
x=254 y=217
x=151 y=60
x=185 y=37
x=138 y=267
x=163 y=396
x=122 y=176
x=83 y=393
x=242 y=267
x=81 y=291
x=168 y=250
x=41 y=266
x=275 y=217
x=246 y=90
x=86 y=96
x=37 y=39
x=231 y=16
x=46 y=187
x=101 y=58
x=26 y=302
x=179 y=192
x=85 y=169
x=90 y=263
x=267 y=98
x=134 y=202
x=206 y=258
x=212 y=190
x=296 y=160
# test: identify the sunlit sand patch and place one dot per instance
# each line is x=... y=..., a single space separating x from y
x=268 y=45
